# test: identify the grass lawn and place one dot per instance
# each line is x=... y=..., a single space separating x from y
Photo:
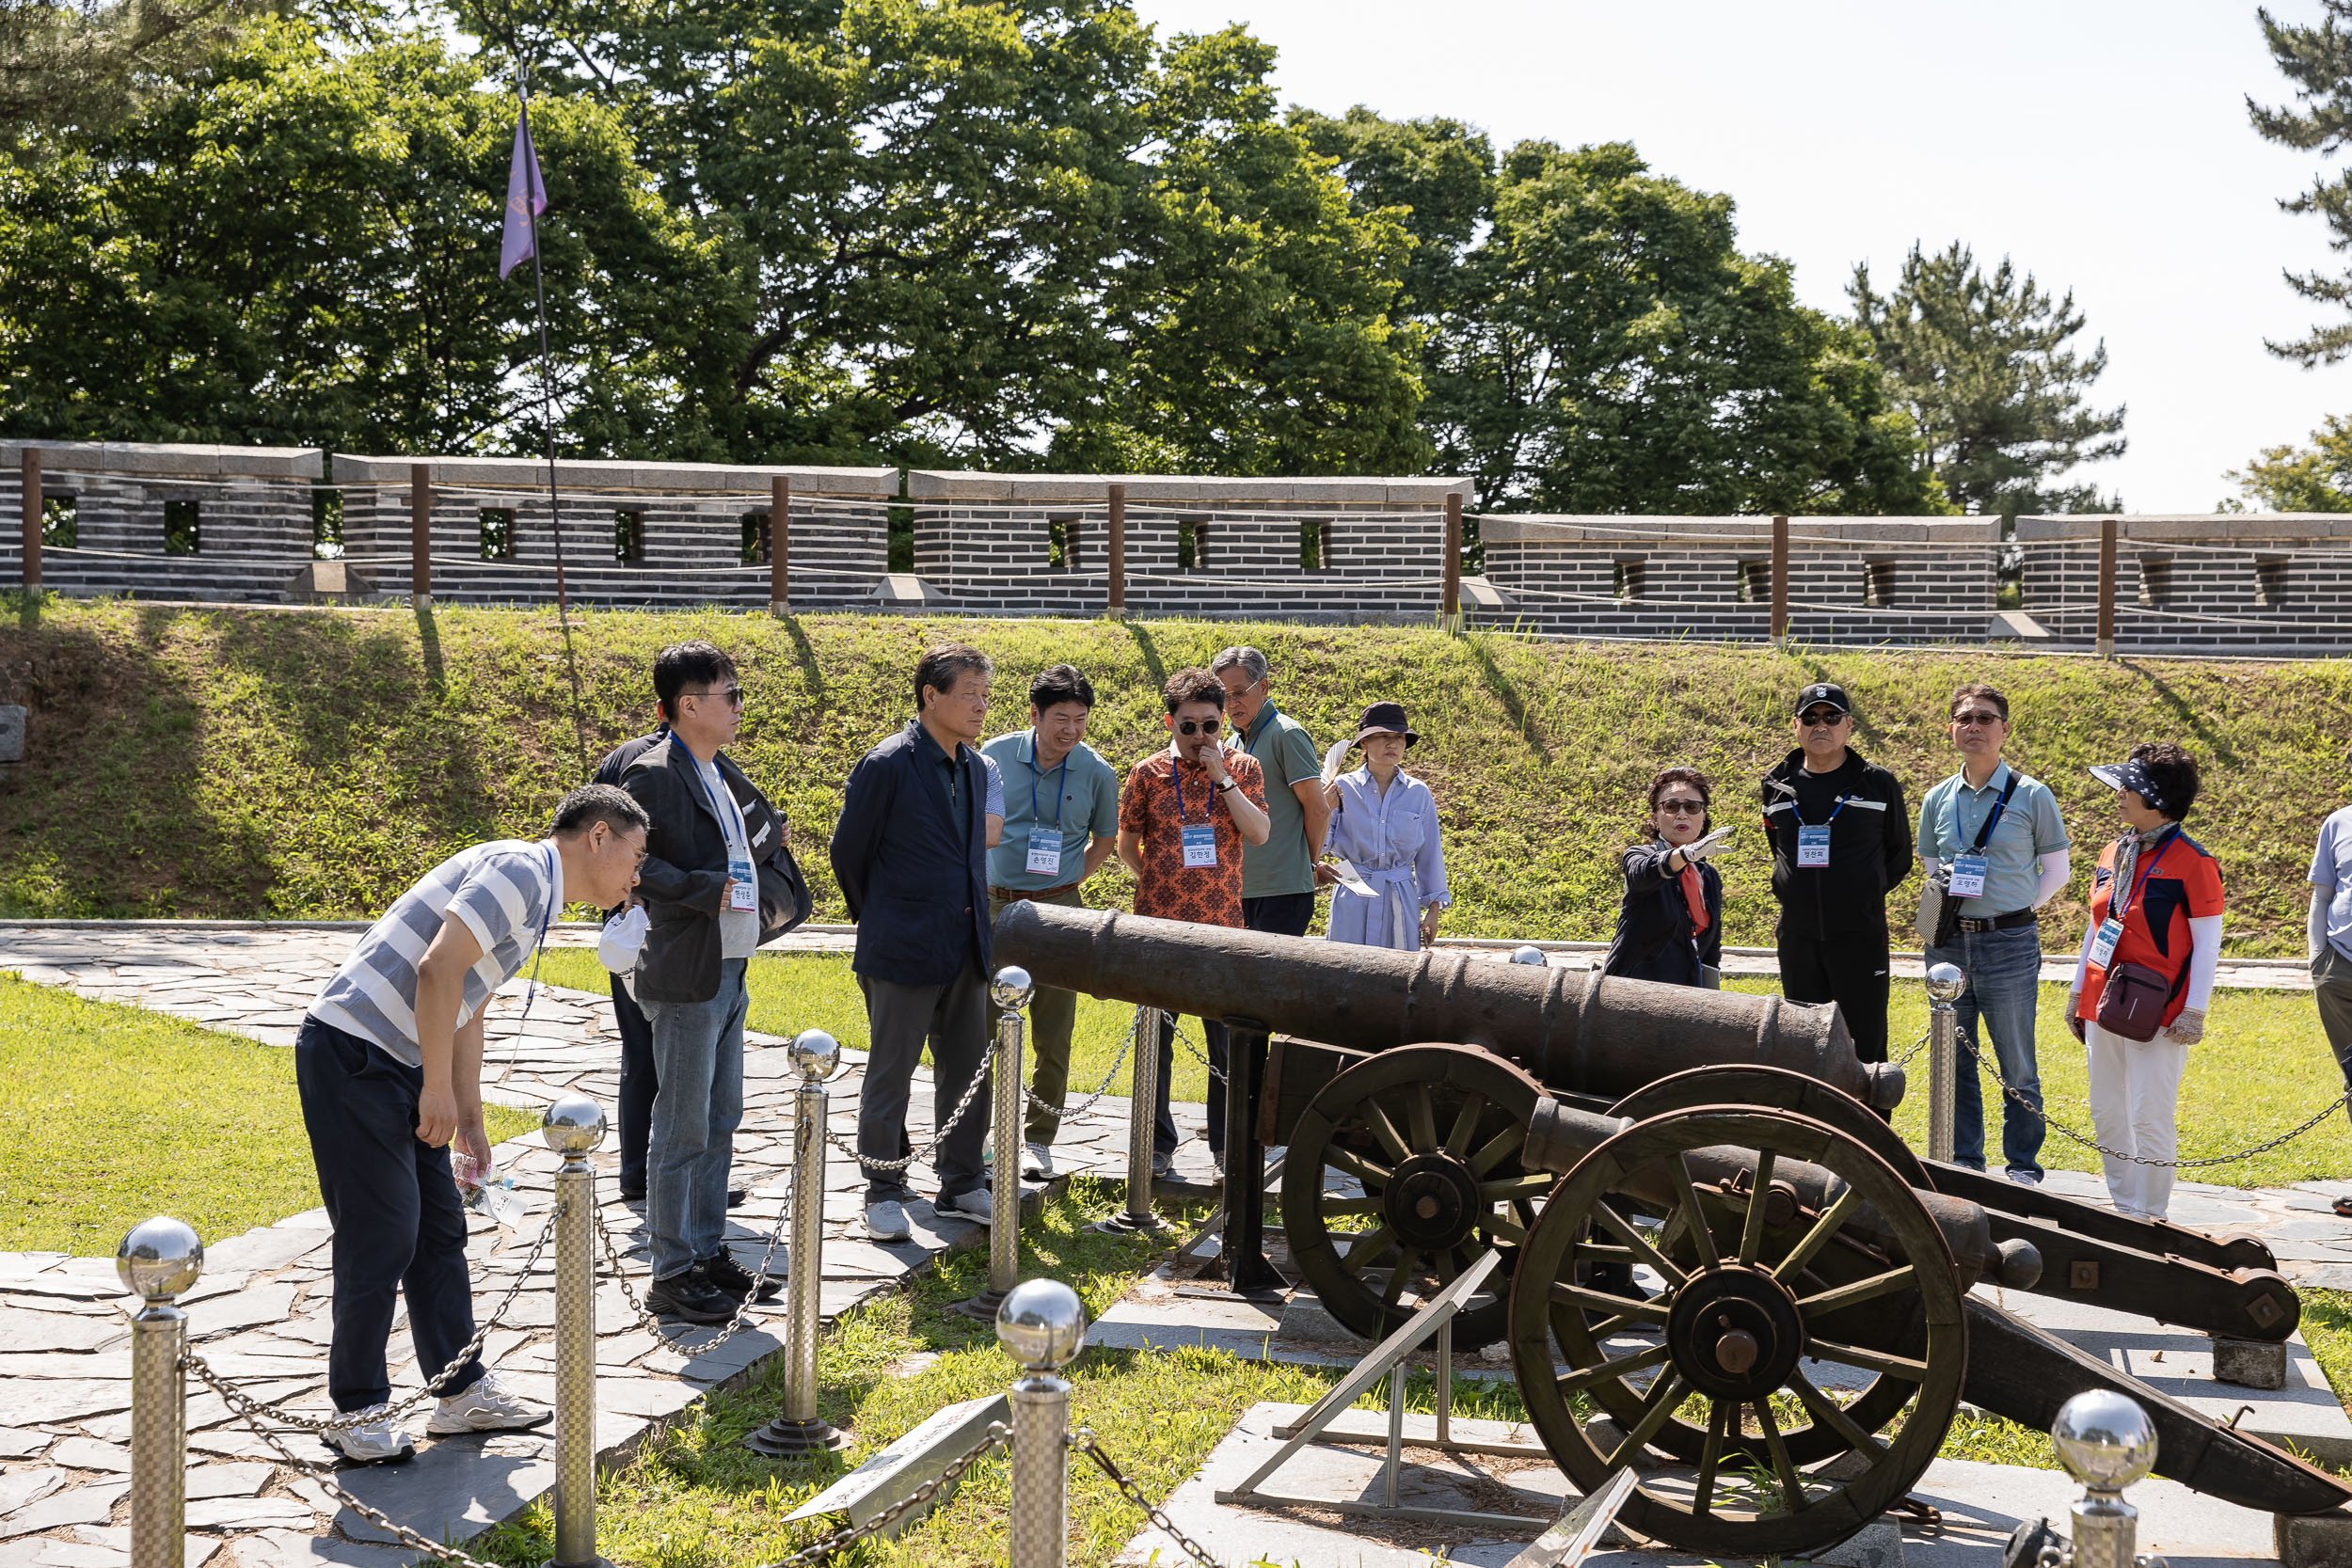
x=697 y=1499
x=2263 y=1068
x=114 y=1114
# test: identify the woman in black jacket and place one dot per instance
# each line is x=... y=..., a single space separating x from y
x=1670 y=925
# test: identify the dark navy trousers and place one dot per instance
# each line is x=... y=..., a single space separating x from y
x=640 y=1084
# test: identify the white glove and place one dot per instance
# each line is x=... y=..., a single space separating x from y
x=623 y=939
x=1699 y=850
x=2188 y=1028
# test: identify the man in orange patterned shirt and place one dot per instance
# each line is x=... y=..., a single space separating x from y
x=1183 y=818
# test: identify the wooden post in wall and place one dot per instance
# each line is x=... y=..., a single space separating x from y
x=2106 y=587
x=421 y=535
x=28 y=466
x=1780 y=581
x=1450 y=577
x=1115 y=552
x=779 y=545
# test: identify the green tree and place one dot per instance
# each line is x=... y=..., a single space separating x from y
x=64 y=65
x=1981 y=363
x=2317 y=61
x=2294 y=479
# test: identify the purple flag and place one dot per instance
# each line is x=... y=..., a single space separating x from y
x=523 y=185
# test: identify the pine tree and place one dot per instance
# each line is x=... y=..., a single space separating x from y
x=2317 y=62
x=1981 y=363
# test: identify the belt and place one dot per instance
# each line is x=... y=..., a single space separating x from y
x=2008 y=922
x=1016 y=896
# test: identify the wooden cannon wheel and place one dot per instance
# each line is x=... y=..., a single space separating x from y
x=1721 y=1386
x=1432 y=1133
x=1778 y=1089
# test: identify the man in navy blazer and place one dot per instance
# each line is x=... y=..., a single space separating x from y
x=911 y=856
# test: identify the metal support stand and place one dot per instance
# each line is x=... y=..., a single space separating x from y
x=158 y=1261
x=1945 y=983
x=1011 y=991
x=1243 y=1259
x=799 y=1430
x=1215 y=1224
x=1143 y=1083
x=1042 y=1326
x=1386 y=1359
x=573 y=1127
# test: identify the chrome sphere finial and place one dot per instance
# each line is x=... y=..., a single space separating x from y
x=572 y=1125
x=1945 y=982
x=1010 y=990
x=1041 y=1325
x=159 y=1258
x=2105 y=1439
x=814 y=1055
x=1528 y=955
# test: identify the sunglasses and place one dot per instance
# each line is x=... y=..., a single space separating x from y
x=1684 y=808
x=1969 y=721
x=1199 y=726
x=1822 y=718
x=733 y=694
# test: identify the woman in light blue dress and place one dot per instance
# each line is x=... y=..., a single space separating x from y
x=1383 y=824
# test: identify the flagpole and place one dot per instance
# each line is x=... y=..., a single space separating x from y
x=546 y=406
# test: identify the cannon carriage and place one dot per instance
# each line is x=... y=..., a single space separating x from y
x=1721 y=1266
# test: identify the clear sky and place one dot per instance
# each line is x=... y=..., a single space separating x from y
x=2101 y=144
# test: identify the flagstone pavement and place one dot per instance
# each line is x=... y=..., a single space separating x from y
x=261 y=1313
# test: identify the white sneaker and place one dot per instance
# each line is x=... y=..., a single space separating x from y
x=487 y=1406
x=886 y=1221
x=978 y=1204
x=1160 y=1164
x=1037 y=1162
x=376 y=1441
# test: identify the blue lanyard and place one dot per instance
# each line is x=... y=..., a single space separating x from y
x=1826 y=821
x=1960 y=844
x=1265 y=722
x=1176 y=771
x=1061 y=779
x=725 y=838
x=2131 y=893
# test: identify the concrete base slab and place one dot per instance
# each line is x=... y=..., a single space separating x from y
x=2314 y=1541
x=2251 y=1363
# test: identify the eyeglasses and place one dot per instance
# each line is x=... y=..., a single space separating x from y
x=1684 y=808
x=1822 y=718
x=1971 y=720
x=1199 y=726
x=731 y=694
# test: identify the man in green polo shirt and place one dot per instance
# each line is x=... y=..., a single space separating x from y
x=1061 y=822
x=1277 y=877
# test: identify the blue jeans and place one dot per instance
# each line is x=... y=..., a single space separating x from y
x=698 y=1059
x=2004 y=970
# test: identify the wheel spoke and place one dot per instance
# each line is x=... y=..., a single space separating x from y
x=1466 y=1124
x=1443 y=1263
x=1827 y=1412
x=1824 y=1229
x=1610 y=1220
x=1641 y=1361
x=1367 y=1249
x=1394 y=1291
x=1868 y=1360
x=1383 y=1129
x=1694 y=1217
x=1718 y=1417
x=1596 y=1301
x=1790 y=1487
x=1421 y=1120
x=1655 y=1413
x=1843 y=1296
x=1333 y=1206
x=1496 y=1226
x=1371 y=1174
x=1503 y=1142
x=1510 y=1189
x=1751 y=1234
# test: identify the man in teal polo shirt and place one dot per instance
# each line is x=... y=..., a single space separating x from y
x=1061 y=822
x=1277 y=877
x=2021 y=865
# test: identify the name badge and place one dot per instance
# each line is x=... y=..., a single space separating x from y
x=743 y=885
x=1968 y=872
x=2103 y=945
x=1200 y=843
x=1812 y=845
x=1044 y=854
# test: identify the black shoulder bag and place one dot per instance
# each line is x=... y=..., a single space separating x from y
x=1939 y=912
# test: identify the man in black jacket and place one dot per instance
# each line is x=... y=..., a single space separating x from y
x=910 y=854
x=1841 y=840
x=712 y=897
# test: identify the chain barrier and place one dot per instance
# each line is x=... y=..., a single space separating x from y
x=1217 y=1074
x=1084 y=1440
x=253 y=1413
x=653 y=1325
x=971 y=1093
x=2065 y=1131
x=1917 y=1046
x=1088 y=1103
x=997 y=1435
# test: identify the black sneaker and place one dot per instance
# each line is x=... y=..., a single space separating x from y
x=689 y=1294
x=632 y=1192
x=732 y=1279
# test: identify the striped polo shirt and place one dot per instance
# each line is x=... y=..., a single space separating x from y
x=506 y=892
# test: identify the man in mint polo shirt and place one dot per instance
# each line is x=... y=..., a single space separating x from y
x=1277 y=877
x=1061 y=822
x=2021 y=867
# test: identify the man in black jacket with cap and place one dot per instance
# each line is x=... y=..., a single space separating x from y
x=1841 y=839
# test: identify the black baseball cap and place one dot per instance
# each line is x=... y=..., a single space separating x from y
x=1821 y=695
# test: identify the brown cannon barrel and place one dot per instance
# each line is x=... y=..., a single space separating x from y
x=1577 y=1031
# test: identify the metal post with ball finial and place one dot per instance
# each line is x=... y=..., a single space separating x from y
x=573 y=1128
x=1043 y=1326
x=813 y=1055
x=1945 y=982
x=157 y=1262
x=1011 y=991
x=2106 y=1442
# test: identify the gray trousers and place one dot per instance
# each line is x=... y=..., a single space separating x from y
x=2331 y=988
x=954 y=1019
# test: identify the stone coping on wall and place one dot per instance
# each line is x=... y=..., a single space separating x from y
x=940 y=484
x=602 y=475
x=170 y=460
x=2192 y=527
x=1628 y=531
